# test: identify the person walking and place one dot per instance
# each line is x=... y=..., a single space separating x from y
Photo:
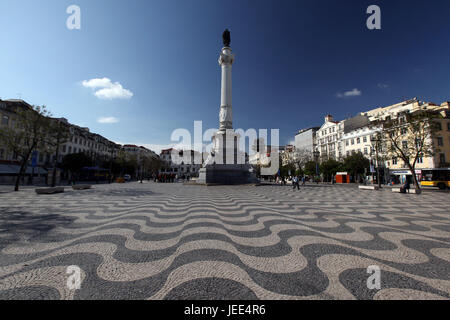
x=295 y=183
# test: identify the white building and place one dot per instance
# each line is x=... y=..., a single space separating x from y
x=188 y=168
x=328 y=139
x=359 y=140
x=306 y=139
x=139 y=152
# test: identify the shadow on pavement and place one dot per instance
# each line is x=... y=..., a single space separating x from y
x=19 y=226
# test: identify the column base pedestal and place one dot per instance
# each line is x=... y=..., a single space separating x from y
x=227 y=174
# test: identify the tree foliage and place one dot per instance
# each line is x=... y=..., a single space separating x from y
x=329 y=168
x=310 y=168
x=409 y=137
x=76 y=161
x=27 y=132
x=356 y=164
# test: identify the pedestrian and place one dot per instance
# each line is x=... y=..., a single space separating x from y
x=295 y=183
x=406 y=187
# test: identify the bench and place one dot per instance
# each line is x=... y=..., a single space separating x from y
x=50 y=190
x=369 y=188
x=82 y=187
x=414 y=191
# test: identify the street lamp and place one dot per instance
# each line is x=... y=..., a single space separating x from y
x=376 y=141
x=316 y=155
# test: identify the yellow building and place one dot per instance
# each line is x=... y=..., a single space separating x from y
x=440 y=140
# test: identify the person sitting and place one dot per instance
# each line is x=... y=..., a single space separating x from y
x=406 y=187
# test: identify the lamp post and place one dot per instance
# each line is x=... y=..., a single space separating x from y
x=376 y=141
x=316 y=154
x=111 y=163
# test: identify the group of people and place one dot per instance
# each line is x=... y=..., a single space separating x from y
x=296 y=180
x=170 y=178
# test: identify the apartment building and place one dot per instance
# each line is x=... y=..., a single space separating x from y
x=328 y=139
x=305 y=140
x=80 y=139
x=139 y=152
x=440 y=140
x=191 y=167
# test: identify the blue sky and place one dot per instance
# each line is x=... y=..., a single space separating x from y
x=294 y=61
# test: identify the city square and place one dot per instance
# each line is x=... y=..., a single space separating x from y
x=225 y=159
x=186 y=242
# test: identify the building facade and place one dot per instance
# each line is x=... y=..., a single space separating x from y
x=80 y=140
x=186 y=167
x=328 y=139
x=306 y=139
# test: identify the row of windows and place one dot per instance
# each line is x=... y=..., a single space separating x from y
x=358 y=141
x=89 y=144
x=439 y=126
x=326 y=131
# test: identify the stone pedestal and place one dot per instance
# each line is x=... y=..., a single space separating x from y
x=227 y=174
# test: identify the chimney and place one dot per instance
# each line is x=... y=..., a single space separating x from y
x=329 y=118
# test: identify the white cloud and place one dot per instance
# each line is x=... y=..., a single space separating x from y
x=382 y=85
x=108 y=120
x=353 y=93
x=107 y=90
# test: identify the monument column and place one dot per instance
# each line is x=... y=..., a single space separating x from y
x=226 y=163
x=226 y=60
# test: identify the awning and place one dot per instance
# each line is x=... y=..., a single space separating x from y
x=14 y=169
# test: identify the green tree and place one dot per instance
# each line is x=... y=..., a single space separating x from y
x=310 y=168
x=409 y=137
x=356 y=164
x=58 y=135
x=28 y=134
x=329 y=168
x=75 y=162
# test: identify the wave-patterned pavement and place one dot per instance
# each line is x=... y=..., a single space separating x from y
x=173 y=241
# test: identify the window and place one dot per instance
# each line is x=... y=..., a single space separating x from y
x=353 y=141
x=420 y=160
x=347 y=142
x=418 y=143
x=440 y=141
x=404 y=131
x=64 y=149
x=442 y=157
x=5 y=120
x=358 y=141
x=394 y=161
x=438 y=126
x=1 y=153
x=448 y=126
x=365 y=151
x=365 y=139
x=405 y=144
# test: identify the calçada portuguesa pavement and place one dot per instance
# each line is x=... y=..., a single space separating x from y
x=175 y=241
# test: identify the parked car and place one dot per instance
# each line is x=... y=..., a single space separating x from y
x=127 y=177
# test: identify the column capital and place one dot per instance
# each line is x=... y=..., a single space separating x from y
x=226 y=57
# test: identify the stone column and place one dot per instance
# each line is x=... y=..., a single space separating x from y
x=226 y=60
